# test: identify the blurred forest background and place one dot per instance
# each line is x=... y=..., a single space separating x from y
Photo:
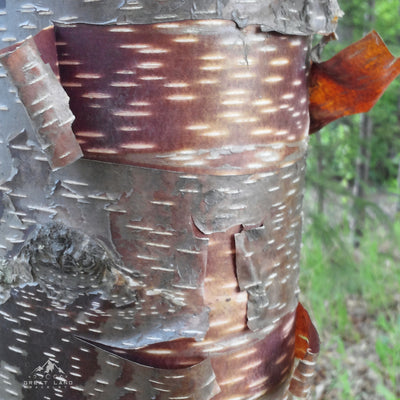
x=351 y=246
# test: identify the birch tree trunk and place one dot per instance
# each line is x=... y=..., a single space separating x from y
x=151 y=195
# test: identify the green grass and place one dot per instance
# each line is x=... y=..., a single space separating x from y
x=333 y=272
x=387 y=347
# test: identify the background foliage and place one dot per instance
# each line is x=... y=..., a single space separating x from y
x=350 y=279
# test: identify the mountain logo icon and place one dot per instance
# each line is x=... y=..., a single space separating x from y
x=48 y=376
x=49 y=369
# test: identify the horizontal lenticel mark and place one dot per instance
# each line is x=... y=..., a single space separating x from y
x=181 y=97
x=69 y=62
x=235 y=92
x=128 y=128
x=152 y=78
x=269 y=156
x=255 y=165
x=186 y=39
x=139 y=103
x=88 y=75
x=262 y=102
x=153 y=51
x=167 y=25
x=269 y=110
x=131 y=113
x=245 y=120
x=231 y=114
x=263 y=131
x=133 y=46
x=72 y=84
x=176 y=84
x=288 y=96
x=138 y=146
x=208 y=81
x=150 y=65
x=215 y=133
x=213 y=57
x=267 y=49
x=199 y=127
x=243 y=75
x=232 y=381
x=233 y=102
x=102 y=150
x=125 y=72
x=273 y=79
x=295 y=43
x=97 y=95
x=123 y=84
x=212 y=68
x=124 y=29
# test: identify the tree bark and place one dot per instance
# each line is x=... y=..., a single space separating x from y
x=153 y=251
x=164 y=262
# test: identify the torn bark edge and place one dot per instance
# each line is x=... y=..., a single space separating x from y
x=265 y=307
x=352 y=81
x=197 y=382
x=43 y=97
x=306 y=351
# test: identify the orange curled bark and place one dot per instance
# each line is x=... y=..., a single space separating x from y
x=306 y=351
x=352 y=81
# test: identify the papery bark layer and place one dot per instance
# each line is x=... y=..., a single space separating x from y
x=44 y=99
x=352 y=81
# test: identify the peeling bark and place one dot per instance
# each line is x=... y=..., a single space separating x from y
x=177 y=280
x=45 y=101
x=291 y=17
x=352 y=81
x=306 y=351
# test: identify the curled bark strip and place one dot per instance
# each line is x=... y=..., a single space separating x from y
x=45 y=43
x=81 y=370
x=44 y=99
x=352 y=81
x=267 y=268
x=306 y=351
x=144 y=382
x=267 y=262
